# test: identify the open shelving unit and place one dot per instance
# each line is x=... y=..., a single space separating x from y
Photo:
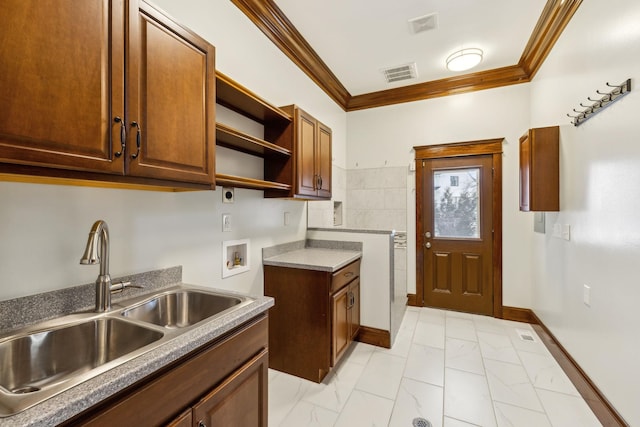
x=277 y=156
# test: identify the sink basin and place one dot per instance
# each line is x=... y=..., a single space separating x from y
x=43 y=360
x=33 y=361
x=181 y=308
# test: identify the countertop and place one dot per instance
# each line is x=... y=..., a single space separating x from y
x=67 y=404
x=309 y=258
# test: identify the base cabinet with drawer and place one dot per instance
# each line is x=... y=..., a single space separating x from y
x=315 y=318
x=224 y=383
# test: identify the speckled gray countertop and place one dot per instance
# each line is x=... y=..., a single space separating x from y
x=67 y=404
x=314 y=255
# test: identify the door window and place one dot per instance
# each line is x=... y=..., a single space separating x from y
x=456 y=207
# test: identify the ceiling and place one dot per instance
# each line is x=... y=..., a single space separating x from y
x=344 y=44
x=358 y=38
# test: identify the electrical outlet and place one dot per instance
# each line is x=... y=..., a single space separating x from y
x=586 y=295
x=287 y=218
x=566 y=232
x=226 y=222
x=228 y=195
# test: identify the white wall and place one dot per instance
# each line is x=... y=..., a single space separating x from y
x=43 y=228
x=600 y=200
x=385 y=137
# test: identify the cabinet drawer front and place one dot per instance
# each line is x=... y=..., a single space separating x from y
x=345 y=275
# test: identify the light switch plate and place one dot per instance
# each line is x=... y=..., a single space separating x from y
x=226 y=222
x=586 y=295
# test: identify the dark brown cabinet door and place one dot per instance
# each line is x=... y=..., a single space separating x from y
x=324 y=160
x=306 y=154
x=340 y=336
x=62 y=83
x=313 y=157
x=183 y=420
x=170 y=98
x=354 y=310
x=241 y=400
x=540 y=170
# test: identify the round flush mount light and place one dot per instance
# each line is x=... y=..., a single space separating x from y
x=464 y=59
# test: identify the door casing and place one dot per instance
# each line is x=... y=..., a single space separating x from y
x=461 y=149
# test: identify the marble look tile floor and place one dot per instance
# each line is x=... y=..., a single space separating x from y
x=453 y=369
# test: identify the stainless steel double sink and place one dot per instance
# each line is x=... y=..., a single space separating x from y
x=45 y=359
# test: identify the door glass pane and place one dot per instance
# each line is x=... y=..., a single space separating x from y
x=456 y=203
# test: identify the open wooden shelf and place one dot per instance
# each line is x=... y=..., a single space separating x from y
x=237 y=140
x=276 y=148
x=240 y=99
x=254 y=184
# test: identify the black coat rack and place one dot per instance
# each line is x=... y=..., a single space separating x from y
x=598 y=105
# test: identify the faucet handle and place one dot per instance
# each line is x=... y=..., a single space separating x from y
x=120 y=286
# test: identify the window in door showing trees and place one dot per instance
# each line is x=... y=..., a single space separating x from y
x=456 y=203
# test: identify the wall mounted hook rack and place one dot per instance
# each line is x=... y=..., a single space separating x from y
x=598 y=105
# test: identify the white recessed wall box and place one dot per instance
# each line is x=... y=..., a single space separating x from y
x=235 y=257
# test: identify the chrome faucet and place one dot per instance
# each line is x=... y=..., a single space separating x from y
x=97 y=252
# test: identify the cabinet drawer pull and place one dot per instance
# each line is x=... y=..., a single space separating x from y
x=201 y=424
x=138 y=136
x=320 y=178
x=348 y=274
x=123 y=136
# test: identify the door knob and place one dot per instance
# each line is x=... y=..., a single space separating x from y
x=427 y=245
x=427 y=234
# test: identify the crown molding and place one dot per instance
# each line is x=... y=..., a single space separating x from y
x=553 y=20
x=498 y=77
x=266 y=15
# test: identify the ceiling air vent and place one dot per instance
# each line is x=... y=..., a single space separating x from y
x=401 y=72
x=423 y=23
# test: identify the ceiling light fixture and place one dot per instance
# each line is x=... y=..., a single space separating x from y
x=464 y=59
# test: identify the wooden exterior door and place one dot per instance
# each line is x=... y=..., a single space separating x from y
x=458 y=213
x=171 y=99
x=62 y=84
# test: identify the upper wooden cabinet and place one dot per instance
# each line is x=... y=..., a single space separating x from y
x=540 y=170
x=312 y=156
x=170 y=99
x=81 y=92
x=62 y=83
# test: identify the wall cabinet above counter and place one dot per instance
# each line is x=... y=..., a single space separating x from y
x=131 y=101
x=132 y=104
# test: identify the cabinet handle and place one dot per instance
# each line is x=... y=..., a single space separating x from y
x=320 y=178
x=348 y=274
x=352 y=300
x=123 y=136
x=138 y=136
x=201 y=424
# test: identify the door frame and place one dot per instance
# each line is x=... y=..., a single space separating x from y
x=491 y=147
